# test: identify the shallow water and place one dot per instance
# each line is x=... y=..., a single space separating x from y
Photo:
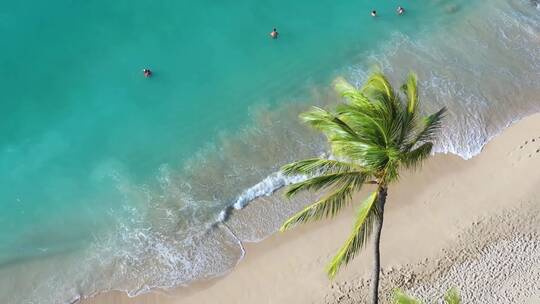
x=119 y=180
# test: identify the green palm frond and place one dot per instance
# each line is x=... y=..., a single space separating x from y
x=328 y=123
x=410 y=88
x=402 y=298
x=365 y=123
x=367 y=214
x=324 y=181
x=430 y=127
x=377 y=85
x=414 y=158
x=386 y=104
x=344 y=88
x=328 y=206
x=316 y=166
x=356 y=97
x=452 y=296
x=409 y=116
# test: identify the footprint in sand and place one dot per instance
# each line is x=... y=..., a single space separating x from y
x=525 y=149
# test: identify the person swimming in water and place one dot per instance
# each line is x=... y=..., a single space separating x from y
x=147 y=73
x=373 y=13
x=274 y=34
x=400 y=10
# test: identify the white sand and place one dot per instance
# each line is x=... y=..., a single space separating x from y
x=468 y=224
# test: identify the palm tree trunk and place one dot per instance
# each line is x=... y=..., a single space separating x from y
x=381 y=200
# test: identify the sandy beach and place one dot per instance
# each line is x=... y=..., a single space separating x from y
x=470 y=224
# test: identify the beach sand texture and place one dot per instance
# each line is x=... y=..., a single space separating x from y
x=473 y=225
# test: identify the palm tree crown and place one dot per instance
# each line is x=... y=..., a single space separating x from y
x=372 y=136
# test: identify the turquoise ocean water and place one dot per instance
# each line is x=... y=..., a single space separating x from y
x=109 y=180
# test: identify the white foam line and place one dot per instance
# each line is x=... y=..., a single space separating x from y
x=239 y=242
x=266 y=187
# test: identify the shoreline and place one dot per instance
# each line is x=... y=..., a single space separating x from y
x=441 y=193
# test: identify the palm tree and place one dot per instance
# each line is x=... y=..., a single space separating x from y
x=372 y=137
x=451 y=297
